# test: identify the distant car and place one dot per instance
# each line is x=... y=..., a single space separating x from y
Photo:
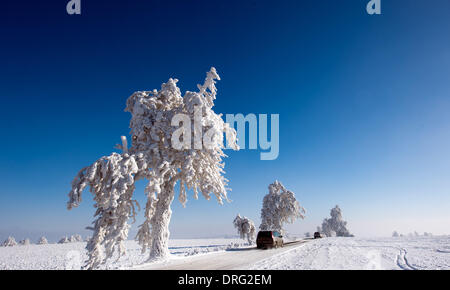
x=317 y=235
x=269 y=239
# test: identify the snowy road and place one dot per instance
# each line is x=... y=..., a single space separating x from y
x=228 y=260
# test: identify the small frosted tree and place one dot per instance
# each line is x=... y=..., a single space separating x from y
x=395 y=234
x=162 y=154
x=42 y=241
x=64 y=240
x=10 y=242
x=24 y=242
x=246 y=228
x=335 y=226
x=307 y=235
x=75 y=238
x=279 y=207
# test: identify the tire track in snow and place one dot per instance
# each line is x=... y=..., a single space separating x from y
x=402 y=261
x=406 y=261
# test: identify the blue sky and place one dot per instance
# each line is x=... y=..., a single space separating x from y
x=363 y=104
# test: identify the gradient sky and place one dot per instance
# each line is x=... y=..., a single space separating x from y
x=364 y=105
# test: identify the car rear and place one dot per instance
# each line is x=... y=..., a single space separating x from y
x=269 y=239
x=264 y=240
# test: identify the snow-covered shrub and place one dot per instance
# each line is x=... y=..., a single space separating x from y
x=307 y=235
x=75 y=238
x=64 y=240
x=158 y=155
x=24 y=242
x=42 y=241
x=395 y=234
x=427 y=234
x=10 y=242
x=335 y=225
x=279 y=207
x=233 y=245
x=246 y=228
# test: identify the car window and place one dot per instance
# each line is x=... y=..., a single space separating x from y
x=265 y=234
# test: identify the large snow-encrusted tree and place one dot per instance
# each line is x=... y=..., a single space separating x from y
x=162 y=154
x=10 y=242
x=279 y=207
x=335 y=226
x=246 y=228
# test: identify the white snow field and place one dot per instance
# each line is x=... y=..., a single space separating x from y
x=403 y=253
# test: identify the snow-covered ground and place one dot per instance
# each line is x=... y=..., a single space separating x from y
x=329 y=253
x=356 y=253
x=72 y=255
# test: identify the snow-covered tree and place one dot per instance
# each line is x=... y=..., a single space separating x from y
x=246 y=228
x=75 y=238
x=279 y=207
x=64 y=240
x=335 y=225
x=162 y=154
x=24 y=242
x=307 y=235
x=42 y=241
x=416 y=234
x=395 y=234
x=10 y=242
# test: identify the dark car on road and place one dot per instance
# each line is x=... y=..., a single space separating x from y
x=317 y=235
x=269 y=239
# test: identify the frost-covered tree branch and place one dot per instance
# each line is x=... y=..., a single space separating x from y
x=153 y=157
x=279 y=207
